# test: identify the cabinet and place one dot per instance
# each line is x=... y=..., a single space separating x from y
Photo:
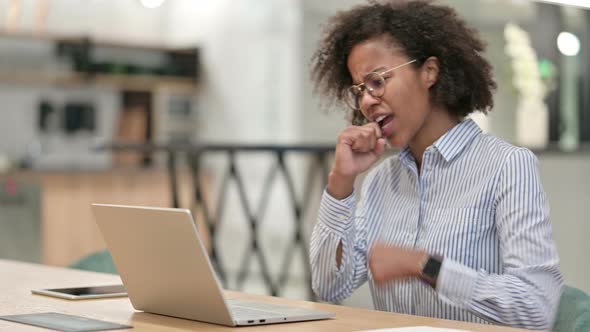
x=68 y=93
x=49 y=219
x=79 y=60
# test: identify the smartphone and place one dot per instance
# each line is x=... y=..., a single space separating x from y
x=82 y=293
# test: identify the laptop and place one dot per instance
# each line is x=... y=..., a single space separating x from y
x=166 y=269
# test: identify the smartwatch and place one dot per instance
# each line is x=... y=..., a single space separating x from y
x=430 y=269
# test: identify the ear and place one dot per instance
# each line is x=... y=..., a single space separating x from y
x=430 y=70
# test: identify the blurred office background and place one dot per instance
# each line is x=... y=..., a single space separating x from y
x=77 y=77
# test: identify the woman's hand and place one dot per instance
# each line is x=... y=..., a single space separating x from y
x=389 y=263
x=358 y=148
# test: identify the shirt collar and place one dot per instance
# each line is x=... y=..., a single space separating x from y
x=405 y=155
x=451 y=143
x=455 y=140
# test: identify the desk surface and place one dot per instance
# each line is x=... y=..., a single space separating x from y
x=19 y=278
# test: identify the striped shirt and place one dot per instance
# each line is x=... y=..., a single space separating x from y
x=478 y=202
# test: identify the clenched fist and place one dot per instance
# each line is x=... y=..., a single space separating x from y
x=358 y=148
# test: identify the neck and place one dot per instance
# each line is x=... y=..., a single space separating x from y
x=437 y=123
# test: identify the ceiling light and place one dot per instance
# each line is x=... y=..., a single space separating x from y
x=151 y=4
x=568 y=44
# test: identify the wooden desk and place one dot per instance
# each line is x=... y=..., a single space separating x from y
x=19 y=278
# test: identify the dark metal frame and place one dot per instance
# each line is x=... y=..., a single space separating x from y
x=196 y=153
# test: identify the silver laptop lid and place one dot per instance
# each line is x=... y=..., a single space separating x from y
x=162 y=262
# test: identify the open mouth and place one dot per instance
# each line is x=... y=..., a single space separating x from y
x=384 y=123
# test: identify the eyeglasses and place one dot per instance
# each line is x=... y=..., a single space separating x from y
x=373 y=82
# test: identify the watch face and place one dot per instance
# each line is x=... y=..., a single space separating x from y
x=432 y=267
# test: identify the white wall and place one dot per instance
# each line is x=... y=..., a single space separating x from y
x=251 y=61
x=120 y=19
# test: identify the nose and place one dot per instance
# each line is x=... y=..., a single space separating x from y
x=367 y=103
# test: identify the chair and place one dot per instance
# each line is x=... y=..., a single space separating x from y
x=100 y=261
x=573 y=314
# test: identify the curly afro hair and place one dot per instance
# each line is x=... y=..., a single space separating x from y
x=422 y=30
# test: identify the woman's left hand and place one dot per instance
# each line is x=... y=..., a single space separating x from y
x=389 y=263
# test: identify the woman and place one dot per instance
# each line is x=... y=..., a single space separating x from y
x=457 y=225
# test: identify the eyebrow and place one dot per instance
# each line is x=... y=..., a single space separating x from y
x=376 y=70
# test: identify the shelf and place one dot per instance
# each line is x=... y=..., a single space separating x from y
x=145 y=82
x=123 y=82
x=79 y=38
x=176 y=72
